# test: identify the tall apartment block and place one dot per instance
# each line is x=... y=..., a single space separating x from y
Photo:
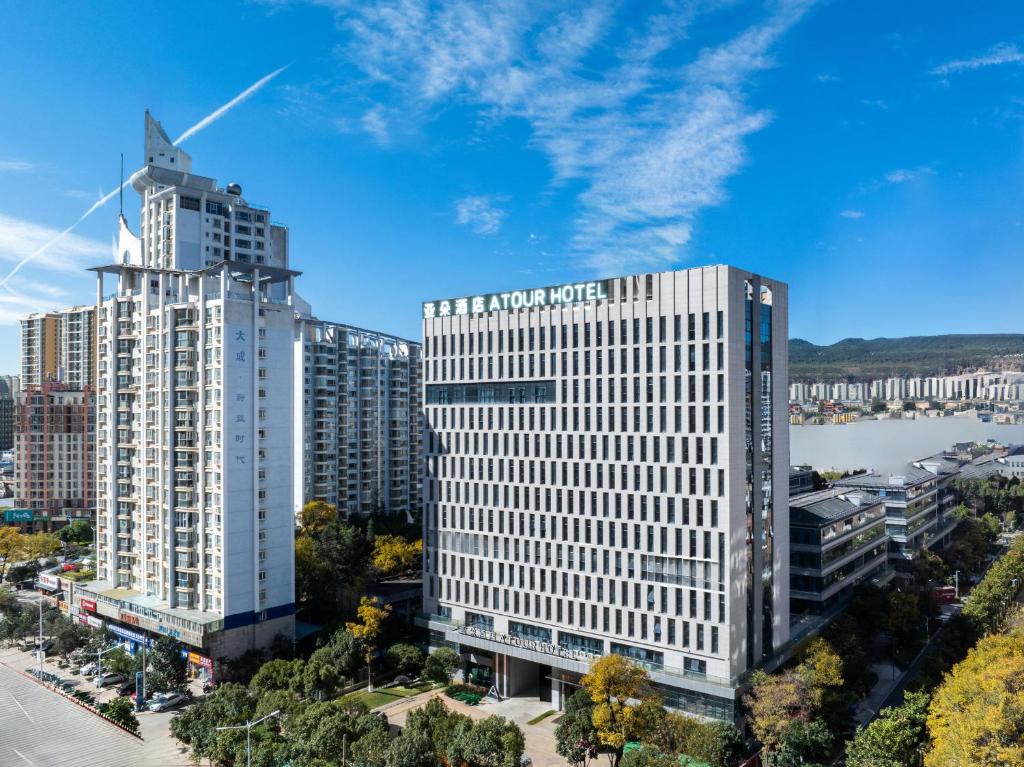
x=40 y=348
x=77 y=357
x=607 y=472
x=360 y=441
x=59 y=346
x=10 y=388
x=54 y=455
x=195 y=394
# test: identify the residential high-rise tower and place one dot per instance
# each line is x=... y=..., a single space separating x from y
x=196 y=367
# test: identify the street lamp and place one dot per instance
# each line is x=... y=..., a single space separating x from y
x=248 y=729
x=99 y=658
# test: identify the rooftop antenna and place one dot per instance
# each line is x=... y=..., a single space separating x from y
x=120 y=189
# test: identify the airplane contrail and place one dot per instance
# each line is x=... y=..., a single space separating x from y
x=210 y=118
x=219 y=113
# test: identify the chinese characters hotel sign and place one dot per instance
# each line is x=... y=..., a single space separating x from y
x=571 y=293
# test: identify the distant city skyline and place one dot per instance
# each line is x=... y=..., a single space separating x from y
x=438 y=152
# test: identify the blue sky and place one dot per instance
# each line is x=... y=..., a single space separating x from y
x=869 y=153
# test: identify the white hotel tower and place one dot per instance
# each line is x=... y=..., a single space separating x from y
x=607 y=472
x=197 y=375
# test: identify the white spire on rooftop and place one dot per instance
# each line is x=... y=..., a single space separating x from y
x=160 y=151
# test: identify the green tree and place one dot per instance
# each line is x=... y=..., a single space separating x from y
x=575 y=735
x=895 y=739
x=990 y=600
x=411 y=750
x=278 y=675
x=441 y=664
x=167 y=668
x=320 y=729
x=439 y=725
x=716 y=743
x=491 y=742
x=77 y=532
x=69 y=636
x=118 y=661
x=647 y=757
x=803 y=744
x=405 y=658
x=196 y=726
x=122 y=711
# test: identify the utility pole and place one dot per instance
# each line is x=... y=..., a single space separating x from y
x=956 y=582
x=40 y=649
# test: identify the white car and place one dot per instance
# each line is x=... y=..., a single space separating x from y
x=108 y=679
x=88 y=669
x=166 y=701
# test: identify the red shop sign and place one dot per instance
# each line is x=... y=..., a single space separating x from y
x=87 y=604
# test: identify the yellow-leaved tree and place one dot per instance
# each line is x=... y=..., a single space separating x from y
x=625 y=707
x=976 y=718
x=16 y=546
x=316 y=516
x=393 y=554
x=372 y=615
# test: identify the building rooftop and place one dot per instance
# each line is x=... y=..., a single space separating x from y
x=823 y=506
x=982 y=469
x=910 y=476
x=940 y=464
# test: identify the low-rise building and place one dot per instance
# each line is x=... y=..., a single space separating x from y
x=801 y=480
x=913 y=519
x=837 y=540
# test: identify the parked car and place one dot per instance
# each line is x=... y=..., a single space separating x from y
x=128 y=688
x=47 y=645
x=108 y=679
x=166 y=701
x=88 y=669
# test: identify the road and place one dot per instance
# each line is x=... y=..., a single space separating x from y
x=38 y=728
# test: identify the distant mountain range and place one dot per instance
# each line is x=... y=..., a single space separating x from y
x=859 y=358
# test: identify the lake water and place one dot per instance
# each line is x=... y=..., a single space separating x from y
x=888 y=445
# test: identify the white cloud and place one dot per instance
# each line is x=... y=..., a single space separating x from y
x=1001 y=53
x=20 y=238
x=651 y=141
x=852 y=214
x=35 y=296
x=479 y=213
x=825 y=77
x=15 y=166
x=375 y=123
x=903 y=175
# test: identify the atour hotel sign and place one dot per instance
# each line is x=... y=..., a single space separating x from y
x=558 y=295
